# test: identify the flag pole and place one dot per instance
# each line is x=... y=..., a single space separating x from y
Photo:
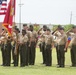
x=20 y=5
x=14 y=21
x=14 y=14
x=14 y=10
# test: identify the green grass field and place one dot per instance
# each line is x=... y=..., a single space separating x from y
x=40 y=69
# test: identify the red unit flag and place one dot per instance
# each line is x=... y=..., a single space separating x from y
x=8 y=20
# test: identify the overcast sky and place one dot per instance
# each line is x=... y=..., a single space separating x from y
x=46 y=11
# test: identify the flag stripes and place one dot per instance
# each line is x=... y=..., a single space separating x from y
x=3 y=7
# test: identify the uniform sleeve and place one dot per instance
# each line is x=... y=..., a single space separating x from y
x=36 y=35
x=28 y=34
x=57 y=33
x=52 y=39
x=14 y=36
x=65 y=38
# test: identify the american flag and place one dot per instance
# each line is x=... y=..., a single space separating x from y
x=3 y=7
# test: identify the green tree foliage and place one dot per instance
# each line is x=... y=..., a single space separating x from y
x=36 y=27
x=66 y=27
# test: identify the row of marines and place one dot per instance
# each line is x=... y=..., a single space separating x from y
x=24 y=44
